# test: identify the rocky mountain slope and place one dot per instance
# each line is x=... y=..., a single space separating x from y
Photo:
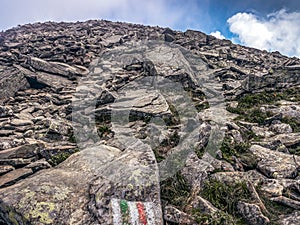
x=114 y=123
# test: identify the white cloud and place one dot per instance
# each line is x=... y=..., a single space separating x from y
x=279 y=31
x=217 y=34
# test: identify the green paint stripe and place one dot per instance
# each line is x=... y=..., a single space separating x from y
x=125 y=212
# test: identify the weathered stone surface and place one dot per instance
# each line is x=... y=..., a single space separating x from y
x=54 y=67
x=288 y=139
x=64 y=189
x=14 y=176
x=5 y=111
x=48 y=70
x=5 y=169
x=42 y=79
x=25 y=151
x=174 y=215
x=196 y=170
x=272 y=187
x=275 y=164
x=202 y=204
x=252 y=214
x=287 y=201
x=11 y=81
x=20 y=122
x=38 y=165
x=281 y=128
x=290 y=219
x=6 y=133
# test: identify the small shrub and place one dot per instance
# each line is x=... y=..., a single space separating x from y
x=230 y=148
x=103 y=130
x=60 y=157
x=175 y=191
x=225 y=196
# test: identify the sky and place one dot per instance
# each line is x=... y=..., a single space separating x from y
x=272 y=25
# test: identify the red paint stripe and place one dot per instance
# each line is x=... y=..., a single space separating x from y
x=142 y=214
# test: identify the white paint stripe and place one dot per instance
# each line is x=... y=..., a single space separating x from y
x=150 y=212
x=134 y=214
x=115 y=205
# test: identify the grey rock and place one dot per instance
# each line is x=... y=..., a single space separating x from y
x=205 y=206
x=287 y=201
x=17 y=162
x=288 y=139
x=252 y=213
x=69 y=195
x=275 y=164
x=171 y=214
x=281 y=128
x=11 y=81
x=5 y=169
x=38 y=165
x=20 y=122
x=6 y=133
x=196 y=170
x=14 y=176
x=5 y=111
x=61 y=69
x=41 y=66
x=290 y=219
x=25 y=151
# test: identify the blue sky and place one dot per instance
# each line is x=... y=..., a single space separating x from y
x=265 y=24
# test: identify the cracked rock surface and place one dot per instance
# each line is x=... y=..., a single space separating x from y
x=114 y=123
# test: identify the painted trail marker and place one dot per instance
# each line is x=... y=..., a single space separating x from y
x=134 y=213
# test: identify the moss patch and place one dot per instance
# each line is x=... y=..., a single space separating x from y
x=269 y=97
x=60 y=157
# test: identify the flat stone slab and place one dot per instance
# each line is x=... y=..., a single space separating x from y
x=5 y=169
x=275 y=164
x=14 y=176
x=24 y=151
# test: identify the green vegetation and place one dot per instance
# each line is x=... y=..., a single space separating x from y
x=175 y=191
x=269 y=97
x=275 y=209
x=72 y=138
x=249 y=106
x=293 y=122
x=217 y=218
x=229 y=148
x=225 y=196
x=199 y=152
x=252 y=115
x=103 y=130
x=295 y=151
x=170 y=142
x=60 y=157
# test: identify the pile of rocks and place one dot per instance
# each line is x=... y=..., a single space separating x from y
x=167 y=127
